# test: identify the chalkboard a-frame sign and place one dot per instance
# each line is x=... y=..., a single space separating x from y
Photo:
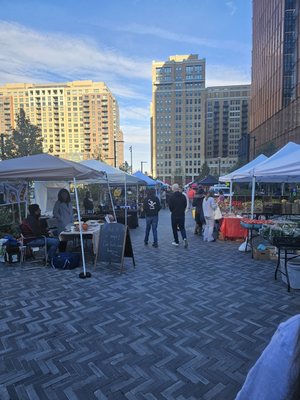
x=114 y=244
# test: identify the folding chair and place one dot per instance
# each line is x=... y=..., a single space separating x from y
x=27 y=237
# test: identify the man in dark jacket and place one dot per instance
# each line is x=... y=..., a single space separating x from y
x=151 y=209
x=177 y=206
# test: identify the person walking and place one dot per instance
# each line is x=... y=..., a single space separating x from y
x=209 y=206
x=151 y=208
x=163 y=198
x=199 y=216
x=191 y=194
x=177 y=206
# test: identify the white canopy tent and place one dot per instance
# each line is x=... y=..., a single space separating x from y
x=44 y=167
x=45 y=194
x=233 y=176
x=283 y=166
x=236 y=176
x=115 y=176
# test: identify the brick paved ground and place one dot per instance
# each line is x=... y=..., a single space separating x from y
x=186 y=324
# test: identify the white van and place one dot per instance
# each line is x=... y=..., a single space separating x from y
x=225 y=189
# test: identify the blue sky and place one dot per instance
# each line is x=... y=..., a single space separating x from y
x=116 y=41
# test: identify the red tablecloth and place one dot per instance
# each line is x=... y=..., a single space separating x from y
x=231 y=228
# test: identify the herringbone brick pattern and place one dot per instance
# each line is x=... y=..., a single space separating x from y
x=185 y=324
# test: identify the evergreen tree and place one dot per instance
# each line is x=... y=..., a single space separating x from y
x=204 y=170
x=125 y=167
x=26 y=139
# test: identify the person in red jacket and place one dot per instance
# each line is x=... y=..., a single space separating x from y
x=191 y=194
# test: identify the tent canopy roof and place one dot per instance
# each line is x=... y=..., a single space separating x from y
x=283 y=166
x=145 y=178
x=114 y=175
x=242 y=170
x=44 y=167
x=209 y=180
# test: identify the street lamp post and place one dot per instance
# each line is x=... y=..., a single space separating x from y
x=142 y=163
x=219 y=161
x=2 y=145
x=254 y=145
x=115 y=151
x=130 y=149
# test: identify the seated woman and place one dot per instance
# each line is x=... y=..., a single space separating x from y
x=32 y=226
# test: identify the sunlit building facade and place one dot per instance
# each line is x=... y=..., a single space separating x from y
x=177 y=118
x=226 y=122
x=275 y=89
x=191 y=124
x=79 y=120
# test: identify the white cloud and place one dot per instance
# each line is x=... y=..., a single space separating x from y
x=136 y=133
x=232 y=7
x=31 y=56
x=232 y=45
x=222 y=75
x=135 y=113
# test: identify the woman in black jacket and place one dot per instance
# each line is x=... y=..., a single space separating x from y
x=199 y=216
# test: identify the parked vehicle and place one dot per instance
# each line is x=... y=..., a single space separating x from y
x=225 y=189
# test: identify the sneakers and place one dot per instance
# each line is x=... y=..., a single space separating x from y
x=175 y=244
x=185 y=243
x=146 y=243
x=155 y=245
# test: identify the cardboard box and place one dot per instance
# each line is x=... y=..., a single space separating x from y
x=268 y=254
x=261 y=254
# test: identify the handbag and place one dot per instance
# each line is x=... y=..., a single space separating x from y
x=66 y=260
x=218 y=214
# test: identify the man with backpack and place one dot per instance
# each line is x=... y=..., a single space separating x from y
x=151 y=209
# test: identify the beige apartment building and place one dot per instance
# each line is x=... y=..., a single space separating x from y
x=79 y=120
x=177 y=118
x=191 y=124
x=226 y=122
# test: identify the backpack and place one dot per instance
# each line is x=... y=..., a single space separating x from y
x=66 y=261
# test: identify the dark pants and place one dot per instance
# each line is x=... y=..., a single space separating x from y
x=178 y=221
x=151 y=222
x=51 y=243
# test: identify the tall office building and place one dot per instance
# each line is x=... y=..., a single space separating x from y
x=177 y=118
x=275 y=91
x=226 y=122
x=79 y=120
x=191 y=124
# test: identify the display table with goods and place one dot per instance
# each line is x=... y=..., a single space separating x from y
x=90 y=231
x=285 y=235
x=132 y=217
x=253 y=226
x=268 y=209
x=231 y=228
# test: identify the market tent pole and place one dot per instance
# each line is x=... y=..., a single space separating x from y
x=125 y=200
x=111 y=199
x=230 y=196
x=252 y=196
x=83 y=274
